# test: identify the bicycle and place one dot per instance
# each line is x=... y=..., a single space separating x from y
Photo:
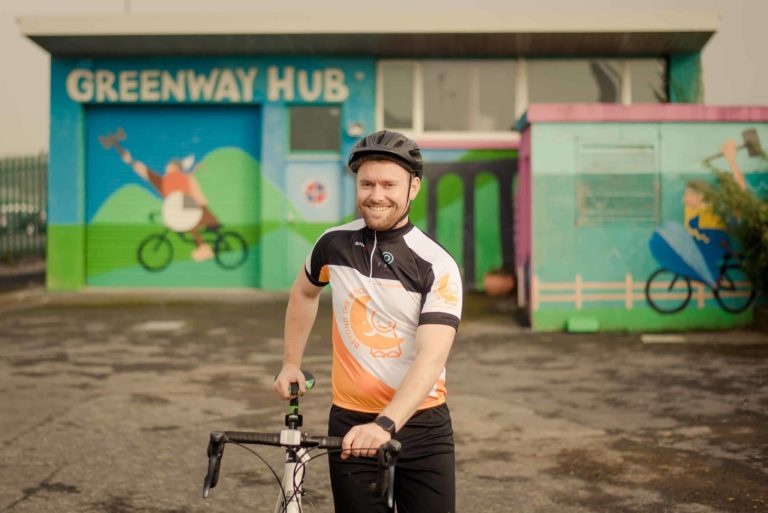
x=155 y=252
x=297 y=447
x=734 y=291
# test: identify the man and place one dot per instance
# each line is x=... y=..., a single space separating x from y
x=396 y=307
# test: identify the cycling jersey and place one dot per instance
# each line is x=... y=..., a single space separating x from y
x=384 y=285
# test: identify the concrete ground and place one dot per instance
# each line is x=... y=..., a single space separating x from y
x=106 y=402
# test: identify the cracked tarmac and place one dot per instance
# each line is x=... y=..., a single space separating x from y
x=106 y=406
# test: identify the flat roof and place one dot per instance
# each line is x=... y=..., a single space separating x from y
x=640 y=113
x=471 y=34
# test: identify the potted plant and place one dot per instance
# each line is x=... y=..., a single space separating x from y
x=499 y=281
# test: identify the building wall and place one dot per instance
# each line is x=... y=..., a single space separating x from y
x=228 y=122
x=236 y=126
x=586 y=264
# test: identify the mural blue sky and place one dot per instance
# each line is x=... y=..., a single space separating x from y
x=734 y=69
x=181 y=135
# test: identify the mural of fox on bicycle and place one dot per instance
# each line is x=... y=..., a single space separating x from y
x=700 y=249
x=171 y=201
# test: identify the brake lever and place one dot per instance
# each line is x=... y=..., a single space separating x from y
x=215 y=454
x=385 y=483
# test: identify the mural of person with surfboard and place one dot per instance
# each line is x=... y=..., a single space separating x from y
x=700 y=249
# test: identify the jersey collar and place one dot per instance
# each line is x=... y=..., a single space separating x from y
x=390 y=234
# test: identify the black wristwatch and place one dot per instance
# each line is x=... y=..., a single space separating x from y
x=386 y=424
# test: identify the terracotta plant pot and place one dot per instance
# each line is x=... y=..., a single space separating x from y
x=498 y=284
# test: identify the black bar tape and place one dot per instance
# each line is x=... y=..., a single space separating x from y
x=245 y=437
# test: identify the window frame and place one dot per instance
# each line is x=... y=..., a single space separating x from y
x=520 y=95
x=417 y=129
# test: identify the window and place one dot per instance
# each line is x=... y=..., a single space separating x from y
x=486 y=96
x=397 y=84
x=574 y=80
x=315 y=128
x=647 y=79
x=617 y=183
x=447 y=95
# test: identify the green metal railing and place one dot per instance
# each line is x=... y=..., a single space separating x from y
x=22 y=206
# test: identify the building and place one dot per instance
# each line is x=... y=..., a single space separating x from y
x=208 y=151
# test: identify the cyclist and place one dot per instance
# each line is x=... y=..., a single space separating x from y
x=176 y=180
x=396 y=306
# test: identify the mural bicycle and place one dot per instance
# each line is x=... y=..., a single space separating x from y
x=668 y=291
x=155 y=252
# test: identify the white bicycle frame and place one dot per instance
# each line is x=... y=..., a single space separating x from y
x=293 y=474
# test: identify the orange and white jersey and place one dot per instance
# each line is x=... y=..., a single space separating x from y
x=384 y=285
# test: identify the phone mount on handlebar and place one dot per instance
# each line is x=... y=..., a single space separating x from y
x=293 y=420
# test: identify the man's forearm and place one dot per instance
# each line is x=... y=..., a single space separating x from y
x=299 y=317
x=434 y=347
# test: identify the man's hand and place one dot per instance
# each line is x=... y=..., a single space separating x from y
x=289 y=374
x=364 y=440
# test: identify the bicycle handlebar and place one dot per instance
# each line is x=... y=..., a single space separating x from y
x=387 y=455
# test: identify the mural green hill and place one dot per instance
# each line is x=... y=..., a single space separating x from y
x=131 y=204
x=229 y=177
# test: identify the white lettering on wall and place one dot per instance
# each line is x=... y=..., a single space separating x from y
x=227 y=88
x=80 y=85
x=105 y=86
x=218 y=85
x=150 y=85
x=309 y=92
x=246 y=82
x=173 y=86
x=201 y=86
x=335 y=88
x=277 y=85
x=128 y=85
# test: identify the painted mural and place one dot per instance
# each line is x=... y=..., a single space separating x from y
x=700 y=249
x=169 y=201
x=621 y=234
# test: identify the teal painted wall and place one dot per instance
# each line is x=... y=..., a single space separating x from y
x=611 y=258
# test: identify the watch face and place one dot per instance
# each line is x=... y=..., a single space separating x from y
x=386 y=423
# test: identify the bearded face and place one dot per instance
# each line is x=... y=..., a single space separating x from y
x=383 y=193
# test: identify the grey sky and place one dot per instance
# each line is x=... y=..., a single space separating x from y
x=734 y=61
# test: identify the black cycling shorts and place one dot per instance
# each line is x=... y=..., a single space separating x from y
x=425 y=478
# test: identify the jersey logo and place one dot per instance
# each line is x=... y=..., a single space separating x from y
x=366 y=326
x=447 y=291
x=388 y=257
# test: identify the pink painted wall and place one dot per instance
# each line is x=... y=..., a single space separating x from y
x=523 y=207
x=651 y=112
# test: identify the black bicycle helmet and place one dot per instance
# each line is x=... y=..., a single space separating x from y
x=388 y=145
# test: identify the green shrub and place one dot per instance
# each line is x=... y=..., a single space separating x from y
x=746 y=218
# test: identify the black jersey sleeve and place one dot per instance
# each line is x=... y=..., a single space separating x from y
x=442 y=300
x=316 y=264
